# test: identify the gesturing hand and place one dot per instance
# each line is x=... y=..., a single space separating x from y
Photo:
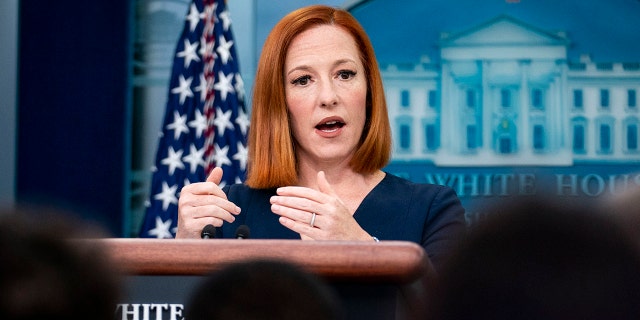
x=296 y=207
x=204 y=203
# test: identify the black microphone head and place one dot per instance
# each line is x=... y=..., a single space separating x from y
x=208 y=232
x=242 y=232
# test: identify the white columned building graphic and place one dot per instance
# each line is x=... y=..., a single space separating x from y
x=505 y=94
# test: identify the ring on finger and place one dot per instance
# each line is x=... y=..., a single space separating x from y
x=313 y=220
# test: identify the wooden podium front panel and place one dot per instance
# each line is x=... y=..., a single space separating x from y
x=161 y=273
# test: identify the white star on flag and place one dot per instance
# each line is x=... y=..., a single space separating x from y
x=194 y=17
x=189 y=53
x=161 y=230
x=220 y=156
x=241 y=156
x=183 y=89
x=195 y=158
x=173 y=160
x=223 y=49
x=178 y=125
x=223 y=121
x=199 y=124
x=224 y=85
x=226 y=20
x=167 y=196
x=243 y=122
x=239 y=87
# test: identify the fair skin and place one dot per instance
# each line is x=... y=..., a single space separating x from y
x=326 y=89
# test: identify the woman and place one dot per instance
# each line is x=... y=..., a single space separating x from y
x=319 y=137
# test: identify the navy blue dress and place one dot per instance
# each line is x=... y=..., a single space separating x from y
x=396 y=209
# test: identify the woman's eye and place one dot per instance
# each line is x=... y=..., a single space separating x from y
x=346 y=74
x=304 y=80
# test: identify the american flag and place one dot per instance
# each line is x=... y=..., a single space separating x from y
x=205 y=123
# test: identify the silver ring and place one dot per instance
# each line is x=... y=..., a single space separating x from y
x=313 y=220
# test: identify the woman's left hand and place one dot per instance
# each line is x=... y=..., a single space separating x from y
x=297 y=206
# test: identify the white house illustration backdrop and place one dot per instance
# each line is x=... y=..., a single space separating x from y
x=504 y=111
x=505 y=94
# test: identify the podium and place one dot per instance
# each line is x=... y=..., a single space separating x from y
x=374 y=280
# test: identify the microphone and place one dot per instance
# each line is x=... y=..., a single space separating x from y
x=242 y=232
x=208 y=232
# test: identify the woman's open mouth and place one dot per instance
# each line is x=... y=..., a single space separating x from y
x=330 y=126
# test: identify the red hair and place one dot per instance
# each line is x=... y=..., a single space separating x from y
x=272 y=160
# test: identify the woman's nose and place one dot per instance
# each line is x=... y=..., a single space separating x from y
x=328 y=95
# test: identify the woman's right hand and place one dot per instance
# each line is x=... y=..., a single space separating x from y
x=204 y=203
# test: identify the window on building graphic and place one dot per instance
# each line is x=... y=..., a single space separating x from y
x=433 y=96
x=472 y=136
x=405 y=137
x=405 y=98
x=631 y=98
x=632 y=137
x=536 y=99
x=504 y=144
x=538 y=137
x=604 y=98
x=505 y=98
x=431 y=137
x=605 y=138
x=471 y=98
x=577 y=98
x=578 y=138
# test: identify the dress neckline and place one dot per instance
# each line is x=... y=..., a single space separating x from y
x=371 y=193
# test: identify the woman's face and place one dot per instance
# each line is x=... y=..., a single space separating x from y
x=326 y=92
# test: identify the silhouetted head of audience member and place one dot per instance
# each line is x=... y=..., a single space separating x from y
x=43 y=275
x=263 y=290
x=539 y=258
x=625 y=207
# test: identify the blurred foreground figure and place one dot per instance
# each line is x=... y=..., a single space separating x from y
x=263 y=290
x=541 y=259
x=43 y=275
x=625 y=207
